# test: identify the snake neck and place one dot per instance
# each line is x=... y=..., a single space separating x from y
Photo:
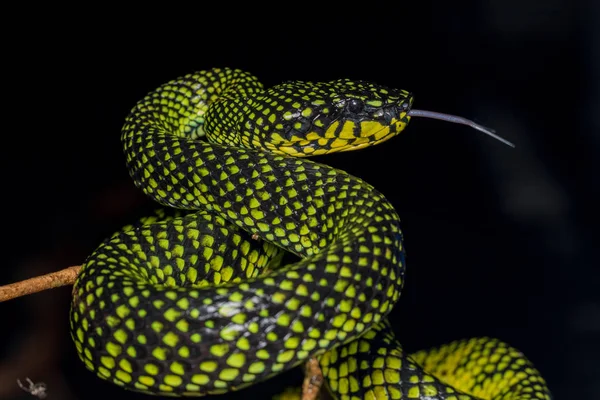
x=179 y=107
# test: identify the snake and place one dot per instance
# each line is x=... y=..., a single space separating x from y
x=199 y=297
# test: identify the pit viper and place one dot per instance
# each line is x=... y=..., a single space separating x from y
x=196 y=301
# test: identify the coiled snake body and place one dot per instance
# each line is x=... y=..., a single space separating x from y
x=196 y=303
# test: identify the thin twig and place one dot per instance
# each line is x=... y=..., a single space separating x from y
x=313 y=380
x=52 y=280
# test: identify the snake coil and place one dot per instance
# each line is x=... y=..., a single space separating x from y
x=195 y=301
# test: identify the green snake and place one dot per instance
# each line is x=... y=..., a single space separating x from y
x=196 y=301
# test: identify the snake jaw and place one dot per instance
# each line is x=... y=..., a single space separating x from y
x=344 y=135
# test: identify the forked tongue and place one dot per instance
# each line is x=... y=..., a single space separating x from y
x=458 y=120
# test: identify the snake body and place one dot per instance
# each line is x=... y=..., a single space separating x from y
x=196 y=302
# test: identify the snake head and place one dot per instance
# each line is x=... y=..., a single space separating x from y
x=305 y=119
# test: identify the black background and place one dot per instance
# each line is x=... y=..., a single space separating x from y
x=499 y=240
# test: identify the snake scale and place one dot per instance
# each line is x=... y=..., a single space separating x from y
x=196 y=301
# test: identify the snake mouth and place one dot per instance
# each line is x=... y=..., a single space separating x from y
x=381 y=135
x=341 y=137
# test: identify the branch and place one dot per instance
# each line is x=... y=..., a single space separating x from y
x=313 y=380
x=52 y=280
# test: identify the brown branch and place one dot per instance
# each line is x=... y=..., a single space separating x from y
x=52 y=280
x=313 y=380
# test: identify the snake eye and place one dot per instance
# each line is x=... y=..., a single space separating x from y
x=355 y=106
